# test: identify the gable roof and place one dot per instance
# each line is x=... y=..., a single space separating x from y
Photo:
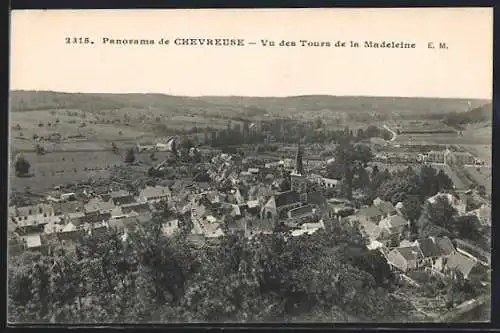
x=157 y=191
x=445 y=245
x=286 y=198
x=371 y=229
x=95 y=205
x=460 y=262
x=410 y=253
x=119 y=194
x=370 y=212
x=386 y=207
x=396 y=221
x=429 y=247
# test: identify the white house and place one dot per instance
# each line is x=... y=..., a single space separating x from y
x=155 y=194
x=169 y=228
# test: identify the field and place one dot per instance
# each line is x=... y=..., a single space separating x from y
x=483 y=152
x=46 y=122
x=59 y=168
x=443 y=138
x=130 y=118
x=482 y=176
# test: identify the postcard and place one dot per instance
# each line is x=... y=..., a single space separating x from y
x=250 y=166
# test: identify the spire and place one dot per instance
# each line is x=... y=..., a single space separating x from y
x=299 y=166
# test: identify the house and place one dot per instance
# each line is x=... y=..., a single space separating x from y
x=394 y=224
x=465 y=265
x=169 y=228
x=123 y=224
x=76 y=218
x=65 y=207
x=32 y=219
x=32 y=241
x=472 y=251
x=138 y=207
x=435 y=251
x=405 y=258
x=40 y=210
x=117 y=213
x=385 y=207
x=97 y=205
x=71 y=238
x=369 y=229
x=155 y=194
x=279 y=204
x=121 y=197
x=329 y=182
x=255 y=227
x=371 y=213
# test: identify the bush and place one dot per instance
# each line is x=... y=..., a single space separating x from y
x=22 y=166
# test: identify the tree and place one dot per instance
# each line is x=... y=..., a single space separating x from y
x=130 y=156
x=39 y=149
x=114 y=147
x=444 y=182
x=440 y=214
x=347 y=159
x=467 y=227
x=22 y=166
x=411 y=210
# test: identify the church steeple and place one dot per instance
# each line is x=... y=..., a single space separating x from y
x=299 y=166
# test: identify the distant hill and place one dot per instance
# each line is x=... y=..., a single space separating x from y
x=481 y=114
x=280 y=106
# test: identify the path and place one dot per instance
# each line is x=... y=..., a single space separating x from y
x=394 y=135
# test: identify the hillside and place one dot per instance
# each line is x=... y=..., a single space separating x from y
x=481 y=114
x=282 y=106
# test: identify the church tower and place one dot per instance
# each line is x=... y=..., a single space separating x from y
x=298 y=180
x=299 y=165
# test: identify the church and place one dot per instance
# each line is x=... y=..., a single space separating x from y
x=299 y=196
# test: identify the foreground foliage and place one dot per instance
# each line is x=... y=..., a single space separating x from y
x=327 y=276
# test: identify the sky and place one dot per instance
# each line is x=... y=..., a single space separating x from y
x=41 y=60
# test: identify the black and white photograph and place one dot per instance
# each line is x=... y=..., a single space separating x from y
x=250 y=166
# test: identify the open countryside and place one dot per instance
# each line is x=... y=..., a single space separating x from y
x=156 y=208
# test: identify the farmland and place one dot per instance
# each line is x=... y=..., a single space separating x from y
x=481 y=176
x=70 y=167
x=63 y=168
x=97 y=120
x=443 y=138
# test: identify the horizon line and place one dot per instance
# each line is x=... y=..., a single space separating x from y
x=246 y=96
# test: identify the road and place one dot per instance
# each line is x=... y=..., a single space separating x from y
x=394 y=135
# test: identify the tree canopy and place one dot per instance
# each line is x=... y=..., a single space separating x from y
x=147 y=277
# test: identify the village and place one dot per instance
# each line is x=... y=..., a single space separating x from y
x=248 y=197
x=424 y=208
